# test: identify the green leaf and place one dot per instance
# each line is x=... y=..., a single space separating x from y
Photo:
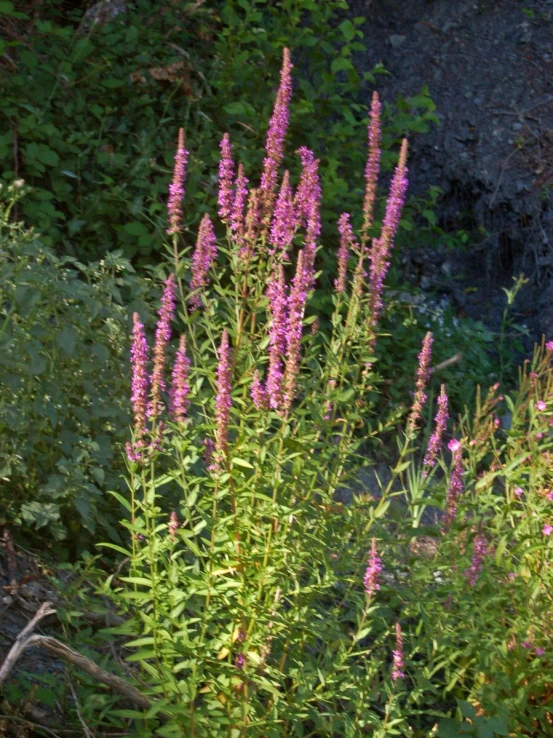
x=40 y=514
x=348 y=30
x=241 y=462
x=67 y=340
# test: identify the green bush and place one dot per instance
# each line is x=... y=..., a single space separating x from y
x=63 y=379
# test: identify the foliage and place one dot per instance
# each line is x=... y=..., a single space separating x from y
x=62 y=386
x=90 y=116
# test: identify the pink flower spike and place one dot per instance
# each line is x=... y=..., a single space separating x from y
x=226 y=176
x=278 y=336
x=373 y=165
x=257 y=392
x=455 y=484
x=176 y=188
x=276 y=134
x=163 y=335
x=398 y=658
x=204 y=255
x=547 y=529
x=480 y=551
x=239 y=202
x=549 y=346
x=180 y=389
x=283 y=225
x=139 y=388
x=296 y=309
x=347 y=240
x=550 y=496
x=370 y=580
x=307 y=207
x=423 y=372
x=223 y=400
x=541 y=406
x=436 y=438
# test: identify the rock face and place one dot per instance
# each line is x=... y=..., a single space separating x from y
x=489 y=69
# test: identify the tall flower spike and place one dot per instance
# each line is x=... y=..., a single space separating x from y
x=439 y=428
x=372 y=571
x=276 y=133
x=163 y=335
x=240 y=196
x=139 y=388
x=252 y=223
x=180 y=389
x=373 y=165
x=226 y=177
x=347 y=239
x=455 y=484
x=176 y=188
x=479 y=552
x=283 y=225
x=423 y=372
x=223 y=399
x=278 y=307
x=257 y=392
x=398 y=659
x=307 y=204
x=296 y=309
x=380 y=250
x=204 y=255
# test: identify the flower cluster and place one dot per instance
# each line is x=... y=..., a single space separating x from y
x=455 y=483
x=423 y=372
x=479 y=552
x=435 y=440
x=398 y=659
x=176 y=188
x=204 y=255
x=372 y=572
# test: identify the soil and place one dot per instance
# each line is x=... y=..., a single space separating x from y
x=489 y=69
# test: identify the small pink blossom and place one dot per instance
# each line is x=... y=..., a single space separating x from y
x=540 y=651
x=547 y=529
x=549 y=346
x=541 y=406
x=518 y=491
x=550 y=496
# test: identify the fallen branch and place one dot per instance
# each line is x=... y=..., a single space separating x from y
x=22 y=640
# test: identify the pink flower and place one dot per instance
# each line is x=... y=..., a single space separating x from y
x=226 y=176
x=223 y=400
x=541 y=406
x=278 y=336
x=398 y=659
x=180 y=389
x=202 y=258
x=257 y=392
x=422 y=379
x=518 y=491
x=283 y=226
x=163 y=335
x=139 y=388
x=540 y=651
x=176 y=188
x=455 y=483
x=347 y=240
x=547 y=529
x=549 y=346
x=174 y=524
x=550 y=496
x=372 y=571
x=436 y=437
x=480 y=550
x=296 y=308
x=307 y=206
x=238 y=204
x=373 y=165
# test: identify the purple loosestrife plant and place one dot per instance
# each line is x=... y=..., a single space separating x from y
x=423 y=372
x=251 y=224
x=226 y=179
x=276 y=134
x=296 y=309
x=283 y=225
x=372 y=572
x=278 y=336
x=347 y=240
x=176 y=188
x=479 y=552
x=398 y=659
x=435 y=440
x=162 y=338
x=455 y=484
x=238 y=204
x=372 y=167
x=307 y=204
x=380 y=250
x=257 y=392
x=180 y=389
x=223 y=399
x=204 y=255
x=139 y=389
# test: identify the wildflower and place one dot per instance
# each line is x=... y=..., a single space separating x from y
x=139 y=388
x=296 y=308
x=380 y=250
x=283 y=226
x=240 y=661
x=173 y=524
x=252 y=221
x=223 y=399
x=436 y=437
x=540 y=651
x=176 y=188
x=209 y=448
x=547 y=529
x=257 y=392
x=163 y=335
x=237 y=215
x=512 y=575
x=549 y=346
x=518 y=491
x=455 y=483
x=526 y=644
x=550 y=496
x=226 y=176
x=180 y=389
x=204 y=255
x=373 y=164
x=307 y=207
x=372 y=571
x=278 y=306
x=276 y=133
x=479 y=552
x=347 y=239
x=422 y=379
x=398 y=660
x=541 y=406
